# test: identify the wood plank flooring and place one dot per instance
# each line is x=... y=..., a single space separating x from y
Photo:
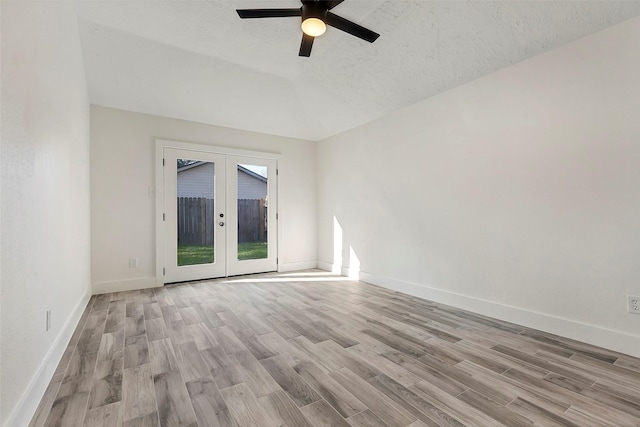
x=312 y=349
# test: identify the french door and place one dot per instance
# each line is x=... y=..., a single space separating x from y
x=219 y=215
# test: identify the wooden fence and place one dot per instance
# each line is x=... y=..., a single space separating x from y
x=197 y=221
x=252 y=221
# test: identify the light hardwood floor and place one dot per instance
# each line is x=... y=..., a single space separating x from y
x=311 y=349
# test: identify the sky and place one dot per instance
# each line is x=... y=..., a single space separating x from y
x=260 y=170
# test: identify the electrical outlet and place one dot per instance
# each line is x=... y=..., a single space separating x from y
x=48 y=321
x=633 y=304
x=133 y=262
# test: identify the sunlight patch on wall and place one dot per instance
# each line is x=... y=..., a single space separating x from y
x=354 y=265
x=337 y=246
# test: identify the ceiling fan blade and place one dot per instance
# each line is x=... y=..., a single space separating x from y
x=306 y=45
x=351 y=27
x=268 y=13
x=332 y=4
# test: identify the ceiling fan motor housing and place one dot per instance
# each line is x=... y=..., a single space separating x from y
x=314 y=9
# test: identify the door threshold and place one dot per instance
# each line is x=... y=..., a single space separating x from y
x=219 y=278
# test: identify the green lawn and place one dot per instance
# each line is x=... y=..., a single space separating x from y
x=192 y=255
x=255 y=250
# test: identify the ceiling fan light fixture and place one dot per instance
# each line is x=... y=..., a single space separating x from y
x=313 y=27
x=316 y=15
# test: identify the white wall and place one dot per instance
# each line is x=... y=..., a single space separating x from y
x=123 y=203
x=45 y=198
x=516 y=195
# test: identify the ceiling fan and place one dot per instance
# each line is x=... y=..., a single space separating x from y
x=316 y=16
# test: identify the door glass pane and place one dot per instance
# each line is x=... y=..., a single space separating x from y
x=196 y=222
x=253 y=205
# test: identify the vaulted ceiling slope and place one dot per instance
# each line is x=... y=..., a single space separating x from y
x=196 y=60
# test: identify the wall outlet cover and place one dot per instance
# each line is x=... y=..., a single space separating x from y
x=633 y=304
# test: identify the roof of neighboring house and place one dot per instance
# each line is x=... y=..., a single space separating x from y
x=240 y=167
x=190 y=165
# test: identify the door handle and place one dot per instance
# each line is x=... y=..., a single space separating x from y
x=221 y=223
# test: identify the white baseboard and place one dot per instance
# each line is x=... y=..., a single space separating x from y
x=592 y=334
x=353 y=274
x=326 y=266
x=296 y=266
x=124 y=285
x=343 y=271
x=30 y=399
x=333 y=268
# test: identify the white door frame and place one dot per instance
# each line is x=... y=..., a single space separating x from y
x=160 y=145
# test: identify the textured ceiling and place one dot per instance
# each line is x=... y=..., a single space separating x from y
x=196 y=60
